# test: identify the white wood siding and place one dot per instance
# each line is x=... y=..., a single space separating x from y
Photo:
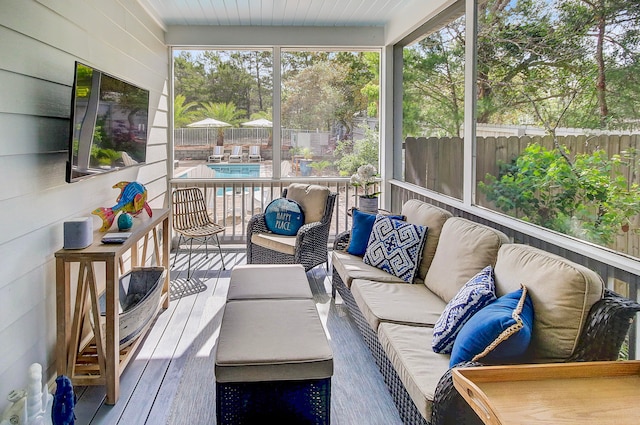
x=39 y=42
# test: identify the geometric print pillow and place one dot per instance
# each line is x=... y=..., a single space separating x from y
x=395 y=246
x=477 y=293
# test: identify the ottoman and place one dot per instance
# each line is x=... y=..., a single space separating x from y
x=273 y=363
x=268 y=281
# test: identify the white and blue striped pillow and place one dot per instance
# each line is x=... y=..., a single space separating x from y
x=477 y=293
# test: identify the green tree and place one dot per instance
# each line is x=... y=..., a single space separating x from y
x=587 y=196
x=351 y=154
x=226 y=112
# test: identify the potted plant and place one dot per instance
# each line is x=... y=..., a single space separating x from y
x=365 y=178
x=305 y=162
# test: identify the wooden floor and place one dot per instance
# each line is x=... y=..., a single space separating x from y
x=170 y=380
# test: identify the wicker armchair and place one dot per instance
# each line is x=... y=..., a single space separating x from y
x=308 y=247
x=604 y=332
x=192 y=221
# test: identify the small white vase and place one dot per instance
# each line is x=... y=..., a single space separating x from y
x=368 y=204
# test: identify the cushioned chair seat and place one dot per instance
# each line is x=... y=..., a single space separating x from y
x=351 y=267
x=268 y=281
x=412 y=304
x=408 y=348
x=280 y=243
x=272 y=340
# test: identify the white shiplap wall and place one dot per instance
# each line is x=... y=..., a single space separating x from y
x=39 y=42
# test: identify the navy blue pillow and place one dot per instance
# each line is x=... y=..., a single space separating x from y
x=361 y=230
x=499 y=332
x=284 y=216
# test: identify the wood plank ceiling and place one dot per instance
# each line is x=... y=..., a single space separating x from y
x=274 y=12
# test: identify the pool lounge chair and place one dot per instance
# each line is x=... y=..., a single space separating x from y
x=217 y=155
x=236 y=154
x=254 y=153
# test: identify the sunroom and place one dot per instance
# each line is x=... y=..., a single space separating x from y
x=518 y=116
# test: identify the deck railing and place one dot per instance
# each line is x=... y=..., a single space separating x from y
x=232 y=202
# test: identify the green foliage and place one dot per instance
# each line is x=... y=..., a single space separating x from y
x=182 y=113
x=353 y=154
x=587 y=197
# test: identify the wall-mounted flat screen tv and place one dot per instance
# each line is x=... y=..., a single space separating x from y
x=109 y=122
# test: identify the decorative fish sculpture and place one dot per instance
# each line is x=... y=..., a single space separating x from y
x=132 y=199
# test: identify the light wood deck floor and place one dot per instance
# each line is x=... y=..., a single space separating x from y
x=167 y=382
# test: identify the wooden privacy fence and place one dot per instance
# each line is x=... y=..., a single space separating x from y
x=437 y=164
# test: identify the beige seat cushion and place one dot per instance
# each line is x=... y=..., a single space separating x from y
x=311 y=197
x=418 y=212
x=272 y=340
x=268 y=281
x=464 y=249
x=408 y=348
x=351 y=267
x=280 y=243
x=398 y=303
x=562 y=292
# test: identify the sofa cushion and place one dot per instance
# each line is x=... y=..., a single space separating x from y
x=284 y=216
x=418 y=212
x=499 y=332
x=280 y=243
x=361 y=228
x=312 y=198
x=395 y=246
x=476 y=294
x=351 y=267
x=464 y=248
x=408 y=349
x=562 y=292
x=397 y=303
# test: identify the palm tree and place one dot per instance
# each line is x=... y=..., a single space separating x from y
x=181 y=114
x=226 y=112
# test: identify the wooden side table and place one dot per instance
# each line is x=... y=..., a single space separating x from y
x=603 y=393
x=97 y=359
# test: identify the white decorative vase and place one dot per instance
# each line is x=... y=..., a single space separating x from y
x=368 y=204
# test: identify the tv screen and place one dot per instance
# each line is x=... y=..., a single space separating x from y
x=109 y=122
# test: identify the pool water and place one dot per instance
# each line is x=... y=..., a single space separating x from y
x=233 y=171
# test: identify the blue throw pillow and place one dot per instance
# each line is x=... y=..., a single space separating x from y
x=361 y=230
x=284 y=216
x=476 y=294
x=499 y=332
x=395 y=246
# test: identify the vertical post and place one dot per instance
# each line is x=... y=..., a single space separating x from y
x=63 y=313
x=113 y=332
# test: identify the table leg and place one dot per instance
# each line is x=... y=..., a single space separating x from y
x=112 y=333
x=165 y=259
x=63 y=314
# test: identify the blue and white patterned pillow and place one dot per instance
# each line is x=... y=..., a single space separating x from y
x=395 y=246
x=477 y=293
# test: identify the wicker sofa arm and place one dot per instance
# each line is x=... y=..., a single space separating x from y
x=449 y=408
x=341 y=241
x=606 y=328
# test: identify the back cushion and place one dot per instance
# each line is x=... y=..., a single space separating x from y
x=423 y=214
x=311 y=197
x=562 y=293
x=464 y=249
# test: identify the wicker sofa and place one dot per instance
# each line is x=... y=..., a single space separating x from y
x=576 y=318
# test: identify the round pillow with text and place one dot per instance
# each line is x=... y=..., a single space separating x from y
x=284 y=216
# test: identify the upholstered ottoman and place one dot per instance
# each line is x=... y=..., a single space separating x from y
x=273 y=363
x=268 y=281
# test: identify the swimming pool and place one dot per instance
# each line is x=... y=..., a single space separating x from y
x=232 y=171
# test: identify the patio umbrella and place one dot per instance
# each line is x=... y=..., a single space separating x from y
x=209 y=123
x=259 y=123
x=262 y=122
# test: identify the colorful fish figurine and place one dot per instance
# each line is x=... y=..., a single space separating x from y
x=132 y=199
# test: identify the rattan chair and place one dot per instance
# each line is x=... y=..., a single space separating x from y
x=308 y=247
x=192 y=221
